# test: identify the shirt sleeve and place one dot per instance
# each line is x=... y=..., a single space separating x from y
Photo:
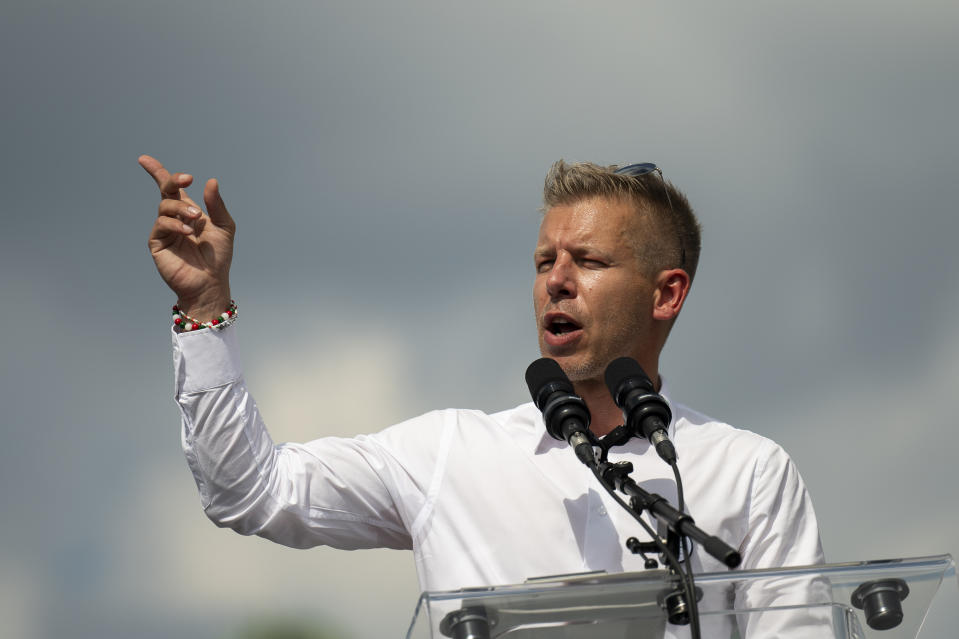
x=345 y=493
x=783 y=532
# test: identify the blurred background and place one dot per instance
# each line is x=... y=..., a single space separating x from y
x=384 y=163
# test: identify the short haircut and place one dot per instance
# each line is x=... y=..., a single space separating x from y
x=671 y=237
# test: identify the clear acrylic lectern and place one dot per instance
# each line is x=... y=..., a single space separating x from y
x=891 y=599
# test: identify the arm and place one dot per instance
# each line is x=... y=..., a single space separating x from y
x=783 y=532
x=337 y=492
x=346 y=493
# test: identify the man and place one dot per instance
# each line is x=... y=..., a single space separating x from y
x=485 y=499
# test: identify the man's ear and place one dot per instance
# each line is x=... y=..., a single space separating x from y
x=672 y=286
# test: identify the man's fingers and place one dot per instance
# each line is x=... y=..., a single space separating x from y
x=215 y=206
x=170 y=185
x=179 y=209
x=173 y=187
x=152 y=166
x=166 y=230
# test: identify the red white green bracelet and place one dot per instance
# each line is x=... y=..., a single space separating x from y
x=184 y=322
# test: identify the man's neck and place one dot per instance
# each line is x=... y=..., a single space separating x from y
x=605 y=415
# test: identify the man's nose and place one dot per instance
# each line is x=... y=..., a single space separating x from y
x=561 y=283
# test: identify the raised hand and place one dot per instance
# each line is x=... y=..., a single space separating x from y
x=192 y=250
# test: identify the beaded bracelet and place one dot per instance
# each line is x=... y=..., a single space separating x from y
x=185 y=323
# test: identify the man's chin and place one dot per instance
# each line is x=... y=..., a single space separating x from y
x=576 y=367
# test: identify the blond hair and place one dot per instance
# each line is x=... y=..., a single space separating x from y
x=671 y=237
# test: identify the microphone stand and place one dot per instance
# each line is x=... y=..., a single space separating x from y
x=680 y=605
x=616 y=476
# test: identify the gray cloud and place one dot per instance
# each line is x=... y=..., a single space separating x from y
x=384 y=163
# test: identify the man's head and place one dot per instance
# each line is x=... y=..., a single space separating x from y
x=669 y=236
x=615 y=259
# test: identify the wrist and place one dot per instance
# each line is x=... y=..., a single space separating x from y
x=184 y=323
x=207 y=307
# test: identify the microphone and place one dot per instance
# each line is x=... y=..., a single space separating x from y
x=647 y=413
x=565 y=413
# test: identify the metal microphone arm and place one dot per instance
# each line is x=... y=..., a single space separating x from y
x=676 y=520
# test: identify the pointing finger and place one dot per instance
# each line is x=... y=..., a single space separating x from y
x=170 y=185
x=152 y=166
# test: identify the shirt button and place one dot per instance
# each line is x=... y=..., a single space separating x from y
x=602 y=511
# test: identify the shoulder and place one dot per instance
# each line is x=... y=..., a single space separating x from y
x=461 y=425
x=697 y=430
x=522 y=416
x=435 y=443
x=763 y=499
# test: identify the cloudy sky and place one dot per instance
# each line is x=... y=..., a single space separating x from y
x=384 y=162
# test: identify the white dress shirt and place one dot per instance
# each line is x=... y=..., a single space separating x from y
x=480 y=499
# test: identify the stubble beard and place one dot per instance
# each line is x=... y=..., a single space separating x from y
x=589 y=363
x=585 y=369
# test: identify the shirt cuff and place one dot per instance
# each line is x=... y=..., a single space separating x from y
x=205 y=359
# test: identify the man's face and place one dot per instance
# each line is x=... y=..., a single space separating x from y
x=592 y=301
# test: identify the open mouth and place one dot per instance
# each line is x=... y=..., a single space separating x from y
x=561 y=326
x=560 y=329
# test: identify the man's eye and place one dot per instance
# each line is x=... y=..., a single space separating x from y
x=544 y=266
x=593 y=264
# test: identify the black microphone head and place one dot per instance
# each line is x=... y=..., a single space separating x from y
x=565 y=414
x=622 y=369
x=645 y=410
x=543 y=377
